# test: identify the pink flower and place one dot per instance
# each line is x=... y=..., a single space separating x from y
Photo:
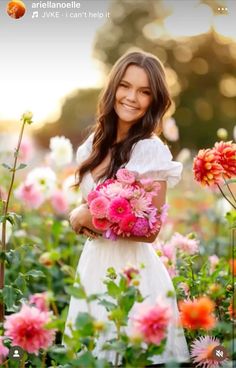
x=152 y=322
x=185 y=244
x=125 y=176
x=206 y=167
x=169 y=251
x=118 y=209
x=26 y=150
x=99 y=207
x=130 y=272
x=226 y=157
x=30 y=194
x=27 y=329
x=214 y=260
x=141 y=227
x=127 y=223
x=59 y=202
x=3 y=350
x=201 y=352
x=40 y=300
x=112 y=190
x=164 y=212
x=140 y=205
x=150 y=186
x=92 y=195
x=101 y=223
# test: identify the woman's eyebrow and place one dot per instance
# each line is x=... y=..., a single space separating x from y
x=123 y=80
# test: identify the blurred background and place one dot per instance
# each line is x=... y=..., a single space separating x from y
x=57 y=67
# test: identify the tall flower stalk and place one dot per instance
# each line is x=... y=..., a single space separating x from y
x=6 y=216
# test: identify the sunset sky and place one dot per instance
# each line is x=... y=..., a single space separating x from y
x=43 y=59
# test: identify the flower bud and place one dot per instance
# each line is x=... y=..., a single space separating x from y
x=99 y=325
x=222 y=133
x=46 y=260
x=27 y=117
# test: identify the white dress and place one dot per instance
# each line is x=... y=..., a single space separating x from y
x=150 y=158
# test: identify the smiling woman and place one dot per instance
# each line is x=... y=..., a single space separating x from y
x=130 y=110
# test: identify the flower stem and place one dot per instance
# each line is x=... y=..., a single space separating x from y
x=229 y=189
x=227 y=199
x=4 y=222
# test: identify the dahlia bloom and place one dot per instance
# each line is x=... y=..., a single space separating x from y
x=184 y=243
x=226 y=152
x=112 y=190
x=61 y=150
x=40 y=300
x=140 y=228
x=150 y=185
x=206 y=167
x=197 y=314
x=127 y=223
x=151 y=322
x=27 y=329
x=59 y=202
x=101 y=223
x=201 y=352
x=44 y=178
x=30 y=194
x=92 y=195
x=99 y=207
x=140 y=205
x=125 y=176
x=3 y=350
x=214 y=260
x=119 y=207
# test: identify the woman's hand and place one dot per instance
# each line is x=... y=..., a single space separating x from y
x=77 y=217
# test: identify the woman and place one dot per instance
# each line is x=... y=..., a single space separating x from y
x=130 y=109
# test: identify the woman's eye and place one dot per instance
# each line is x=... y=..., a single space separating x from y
x=123 y=85
x=146 y=93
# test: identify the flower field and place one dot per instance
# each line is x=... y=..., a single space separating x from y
x=40 y=252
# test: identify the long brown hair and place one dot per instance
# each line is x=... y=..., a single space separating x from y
x=106 y=124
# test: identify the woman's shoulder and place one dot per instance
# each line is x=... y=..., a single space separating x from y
x=84 y=149
x=151 y=145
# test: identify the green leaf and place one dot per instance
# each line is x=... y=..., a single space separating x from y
x=20 y=282
x=21 y=166
x=7 y=166
x=112 y=289
x=76 y=291
x=108 y=305
x=10 y=296
x=85 y=360
x=35 y=274
x=84 y=324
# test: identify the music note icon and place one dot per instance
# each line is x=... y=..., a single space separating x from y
x=35 y=14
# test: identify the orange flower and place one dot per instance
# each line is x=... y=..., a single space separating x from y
x=232 y=266
x=197 y=314
x=232 y=309
x=226 y=152
x=206 y=168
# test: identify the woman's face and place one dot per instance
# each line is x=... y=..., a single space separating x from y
x=133 y=95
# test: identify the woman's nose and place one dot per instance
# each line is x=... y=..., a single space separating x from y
x=131 y=95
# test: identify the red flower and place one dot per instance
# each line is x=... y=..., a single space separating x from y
x=206 y=167
x=226 y=152
x=197 y=314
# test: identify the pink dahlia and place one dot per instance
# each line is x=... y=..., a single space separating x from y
x=125 y=176
x=112 y=190
x=206 y=167
x=118 y=209
x=152 y=322
x=140 y=205
x=40 y=300
x=101 y=223
x=214 y=260
x=201 y=352
x=29 y=194
x=185 y=244
x=92 y=195
x=99 y=206
x=27 y=329
x=3 y=350
x=150 y=186
x=127 y=223
x=59 y=202
x=140 y=227
x=226 y=157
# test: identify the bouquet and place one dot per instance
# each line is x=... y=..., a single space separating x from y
x=123 y=206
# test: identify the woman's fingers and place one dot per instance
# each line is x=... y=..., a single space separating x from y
x=89 y=233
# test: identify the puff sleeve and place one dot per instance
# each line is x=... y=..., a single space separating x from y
x=84 y=150
x=152 y=158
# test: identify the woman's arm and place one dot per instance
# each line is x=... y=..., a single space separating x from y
x=81 y=216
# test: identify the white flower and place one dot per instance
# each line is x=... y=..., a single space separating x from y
x=170 y=130
x=61 y=150
x=44 y=179
x=73 y=195
x=222 y=133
